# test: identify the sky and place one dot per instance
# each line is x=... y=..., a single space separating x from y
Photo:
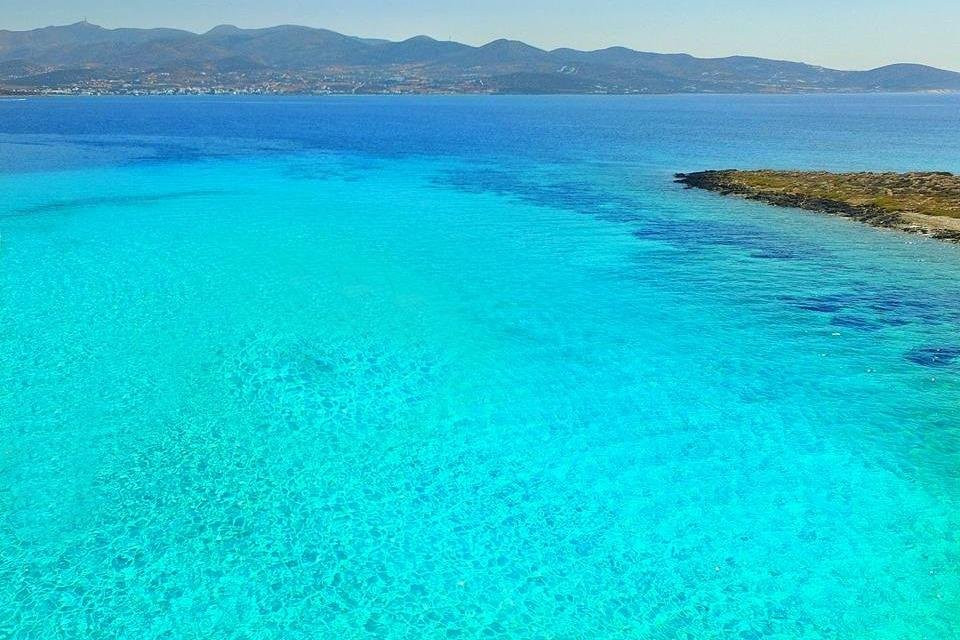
x=845 y=34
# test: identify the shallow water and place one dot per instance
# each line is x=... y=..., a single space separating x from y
x=470 y=367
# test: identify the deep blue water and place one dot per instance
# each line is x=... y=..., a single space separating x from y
x=470 y=367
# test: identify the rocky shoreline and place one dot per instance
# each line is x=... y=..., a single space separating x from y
x=926 y=203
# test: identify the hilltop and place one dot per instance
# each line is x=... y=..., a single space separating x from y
x=86 y=58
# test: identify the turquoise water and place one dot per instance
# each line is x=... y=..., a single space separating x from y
x=470 y=368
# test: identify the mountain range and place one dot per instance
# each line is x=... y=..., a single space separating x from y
x=85 y=58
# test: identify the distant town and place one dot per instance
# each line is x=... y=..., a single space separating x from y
x=264 y=83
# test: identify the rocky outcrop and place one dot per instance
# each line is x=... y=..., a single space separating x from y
x=921 y=202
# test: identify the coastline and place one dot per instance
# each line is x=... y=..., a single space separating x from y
x=924 y=203
x=7 y=92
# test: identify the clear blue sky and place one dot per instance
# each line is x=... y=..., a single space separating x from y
x=852 y=34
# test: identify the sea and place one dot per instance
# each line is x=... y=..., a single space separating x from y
x=471 y=367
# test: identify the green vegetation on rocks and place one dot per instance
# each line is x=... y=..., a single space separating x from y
x=917 y=202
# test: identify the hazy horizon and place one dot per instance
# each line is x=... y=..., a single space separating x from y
x=858 y=35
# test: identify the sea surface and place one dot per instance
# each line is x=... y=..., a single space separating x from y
x=470 y=367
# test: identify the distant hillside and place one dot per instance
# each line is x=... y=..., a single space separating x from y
x=82 y=58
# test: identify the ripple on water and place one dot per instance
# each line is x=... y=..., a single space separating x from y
x=935 y=357
x=321 y=382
